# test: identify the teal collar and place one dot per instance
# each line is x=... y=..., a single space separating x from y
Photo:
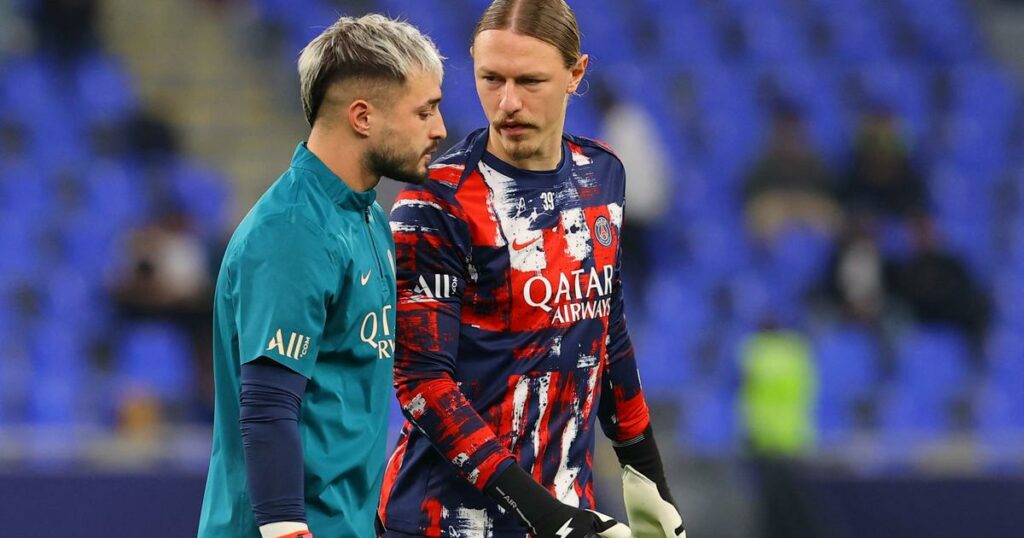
x=331 y=183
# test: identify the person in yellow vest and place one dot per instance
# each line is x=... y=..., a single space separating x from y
x=777 y=404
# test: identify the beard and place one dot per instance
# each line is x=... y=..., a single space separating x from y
x=520 y=150
x=522 y=147
x=400 y=165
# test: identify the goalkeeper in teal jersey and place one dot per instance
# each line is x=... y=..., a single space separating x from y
x=305 y=302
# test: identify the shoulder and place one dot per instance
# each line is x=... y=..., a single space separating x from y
x=597 y=151
x=287 y=231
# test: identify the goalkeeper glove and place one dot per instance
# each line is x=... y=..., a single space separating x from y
x=649 y=505
x=285 y=529
x=650 y=516
x=546 y=516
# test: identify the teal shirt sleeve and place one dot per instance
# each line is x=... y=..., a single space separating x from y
x=285 y=277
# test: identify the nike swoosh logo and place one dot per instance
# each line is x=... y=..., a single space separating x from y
x=516 y=245
x=365 y=278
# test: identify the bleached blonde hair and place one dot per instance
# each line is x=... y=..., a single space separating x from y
x=372 y=49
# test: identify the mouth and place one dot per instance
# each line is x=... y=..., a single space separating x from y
x=513 y=128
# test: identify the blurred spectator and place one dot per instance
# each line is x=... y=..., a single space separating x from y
x=633 y=134
x=858 y=276
x=789 y=184
x=167 y=272
x=777 y=405
x=66 y=28
x=937 y=286
x=882 y=181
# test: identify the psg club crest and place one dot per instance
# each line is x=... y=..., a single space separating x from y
x=603 y=231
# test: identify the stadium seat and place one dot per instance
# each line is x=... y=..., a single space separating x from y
x=931 y=363
x=158 y=358
x=105 y=92
x=708 y=424
x=59 y=373
x=848 y=359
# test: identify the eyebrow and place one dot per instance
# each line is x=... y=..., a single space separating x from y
x=432 y=102
x=485 y=71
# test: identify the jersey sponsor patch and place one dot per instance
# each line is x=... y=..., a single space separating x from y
x=297 y=348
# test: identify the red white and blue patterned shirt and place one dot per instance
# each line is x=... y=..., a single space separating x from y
x=511 y=339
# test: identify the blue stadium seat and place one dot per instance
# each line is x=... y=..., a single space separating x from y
x=932 y=363
x=203 y=194
x=668 y=344
x=90 y=244
x=60 y=366
x=105 y=92
x=900 y=86
x=708 y=425
x=158 y=358
x=907 y=415
x=1005 y=357
x=848 y=358
x=945 y=29
x=858 y=34
x=19 y=248
x=114 y=192
x=688 y=36
x=772 y=35
x=1008 y=298
x=798 y=256
x=999 y=427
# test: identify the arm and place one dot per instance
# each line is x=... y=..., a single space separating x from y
x=270 y=399
x=280 y=300
x=626 y=420
x=431 y=247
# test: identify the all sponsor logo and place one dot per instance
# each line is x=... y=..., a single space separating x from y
x=297 y=348
x=443 y=287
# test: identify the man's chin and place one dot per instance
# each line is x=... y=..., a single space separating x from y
x=416 y=177
x=519 y=150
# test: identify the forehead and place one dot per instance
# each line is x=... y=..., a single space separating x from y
x=420 y=87
x=508 y=53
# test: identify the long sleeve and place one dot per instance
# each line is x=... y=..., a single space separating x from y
x=432 y=247
x=623 y=410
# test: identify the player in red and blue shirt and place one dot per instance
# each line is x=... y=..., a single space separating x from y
x=511 y=339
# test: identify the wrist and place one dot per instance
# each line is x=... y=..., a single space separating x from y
x=285 y=529
x=516 y=491
x=641 y=453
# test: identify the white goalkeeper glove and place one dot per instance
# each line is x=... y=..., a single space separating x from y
x=650 y=516
x=285 y=529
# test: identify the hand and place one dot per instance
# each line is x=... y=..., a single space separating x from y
x=569 y=522
x=650 y=516
x=546 y=516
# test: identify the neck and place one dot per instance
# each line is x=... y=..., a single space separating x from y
x=547 y=157
x=343 y=158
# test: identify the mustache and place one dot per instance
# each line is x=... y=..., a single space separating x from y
x=510 y=121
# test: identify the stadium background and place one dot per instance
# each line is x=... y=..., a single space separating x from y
x=828 y=228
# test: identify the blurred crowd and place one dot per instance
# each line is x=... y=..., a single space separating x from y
x=822 y=237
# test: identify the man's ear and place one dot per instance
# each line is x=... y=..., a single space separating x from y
x=359 y=113
x=577 y=72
